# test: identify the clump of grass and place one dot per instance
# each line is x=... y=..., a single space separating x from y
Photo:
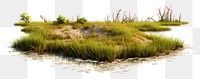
x=142 y=26
x=159 y=44
x=172 y=23
x=34 y=43
x=148 y=26
x=29 y=29
x=164 y=44
x=118 y=30
x=93 y=50
x=42 y=32
x=36 y=23
x=137 y=49
x=21 y=24
x=55 y=46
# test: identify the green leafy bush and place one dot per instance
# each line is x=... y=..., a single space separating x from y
x=61 y=20
x=81 y=20
x=25 y=17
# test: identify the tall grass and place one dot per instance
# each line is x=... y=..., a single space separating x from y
x=159 y=44
x=172 y=23
x=42 y=32
x=142 y=26
x=148 y=26
x=164 y=44
x=118 y=30
x=100 y=50
x=58 y=47
x=93 y=50
x=123 y=41
x=34 y=43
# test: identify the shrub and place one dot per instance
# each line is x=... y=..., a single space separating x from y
x=25 y=17
x=61 y=20
x=81 y=20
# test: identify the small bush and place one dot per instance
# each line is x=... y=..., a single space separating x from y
x=61 y=20
x=81 y=20
x=25 y=17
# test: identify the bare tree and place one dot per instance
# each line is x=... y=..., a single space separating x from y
x=124 y=18
x=166 y=15
x=161 y=14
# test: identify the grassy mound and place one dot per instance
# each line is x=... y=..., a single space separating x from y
x=111 y=40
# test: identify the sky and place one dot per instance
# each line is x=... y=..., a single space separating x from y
x=46 y=8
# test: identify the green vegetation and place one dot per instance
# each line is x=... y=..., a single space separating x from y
x=149 y=26
x=21 y=24
x=25 y=17
x=61 y=20
x=172 y=23
x=81 y=20
x=102 y=41
x=118 y=40
x=142 y=26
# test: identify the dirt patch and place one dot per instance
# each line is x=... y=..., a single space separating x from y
x=69 y=32
x=81 y=33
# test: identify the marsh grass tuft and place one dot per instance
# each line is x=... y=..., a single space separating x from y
x=164 y=44
x=172 y=23
x=118 y=30
x=27 y=43
x=148 y=26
